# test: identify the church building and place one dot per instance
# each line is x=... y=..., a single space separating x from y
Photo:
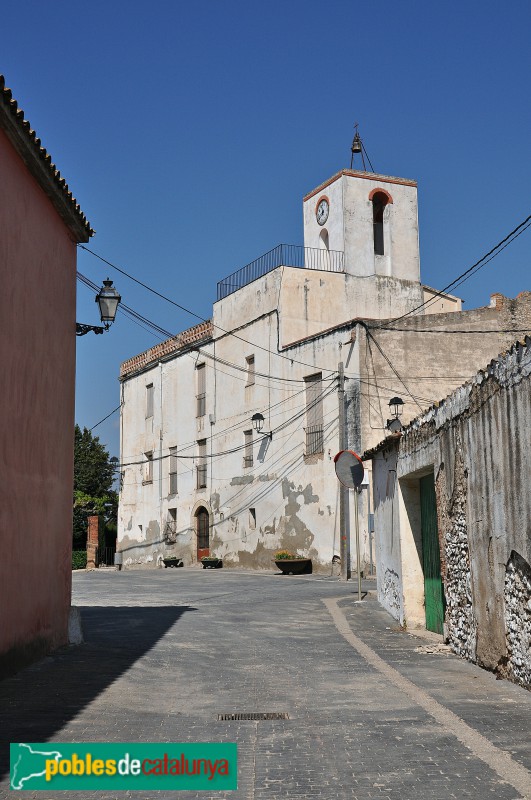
x=230 y=429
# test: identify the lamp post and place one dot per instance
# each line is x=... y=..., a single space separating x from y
x=108 y=300
x=396 y=406
x=258 y=423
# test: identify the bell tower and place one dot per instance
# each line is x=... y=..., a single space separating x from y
x=371 y=219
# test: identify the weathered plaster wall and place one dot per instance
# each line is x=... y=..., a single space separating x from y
x=350 y=224
x=295 y=497
x=477 y=444
x=431 y=365
x=37 y=354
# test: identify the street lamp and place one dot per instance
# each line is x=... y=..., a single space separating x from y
x=258 y=423
x=107 y=300
x=396 y=405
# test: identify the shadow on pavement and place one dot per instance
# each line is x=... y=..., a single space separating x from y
x=38 y=701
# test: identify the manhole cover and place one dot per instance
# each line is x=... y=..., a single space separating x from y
x=255 y=716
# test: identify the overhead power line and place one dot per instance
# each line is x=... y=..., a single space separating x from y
x=493 y=252
x=198 y=316
x=136 y=317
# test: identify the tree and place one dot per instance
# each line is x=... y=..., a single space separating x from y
x=93 y=479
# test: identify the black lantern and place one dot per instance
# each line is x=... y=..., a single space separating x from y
x=396 y=405
x=258 y=423
x=107 y=300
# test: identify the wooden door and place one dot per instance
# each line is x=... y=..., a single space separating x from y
x=431 y=557
x=202 y=524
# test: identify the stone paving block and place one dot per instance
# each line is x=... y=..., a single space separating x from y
x=166 y=651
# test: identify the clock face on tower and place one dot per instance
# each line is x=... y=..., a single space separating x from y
x=321 y=212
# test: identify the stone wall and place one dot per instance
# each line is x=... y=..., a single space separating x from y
x=518 y=619
x=476 y=443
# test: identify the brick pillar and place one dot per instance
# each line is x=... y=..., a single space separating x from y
x=92 y=541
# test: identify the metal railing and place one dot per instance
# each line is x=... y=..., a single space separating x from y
x=283 y=255
x=106 y=556
x=314 y=440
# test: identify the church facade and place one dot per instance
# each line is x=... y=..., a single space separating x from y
x=229 y=430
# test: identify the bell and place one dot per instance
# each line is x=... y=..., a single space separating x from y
x=356 y=144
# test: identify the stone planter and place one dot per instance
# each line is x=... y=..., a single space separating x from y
x=172 y=562
x=294 y=566
x=212 y=563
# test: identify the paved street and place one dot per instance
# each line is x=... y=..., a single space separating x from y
x=372 y=712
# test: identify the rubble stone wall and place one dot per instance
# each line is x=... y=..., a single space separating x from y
x=477 y=443
x=518 y=619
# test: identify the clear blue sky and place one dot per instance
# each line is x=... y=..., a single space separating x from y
x=189 y=133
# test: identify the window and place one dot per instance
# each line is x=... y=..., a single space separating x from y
x=149 y=400
x=201 y=469
x=173 y=471
x=148 y=468
x=170 y=529
x=379 y=202
x=314 y=414
x=248 y=451
x=201 y=390
x=252 y=519
x=250 y=370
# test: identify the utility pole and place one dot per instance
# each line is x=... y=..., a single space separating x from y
x=344 y=534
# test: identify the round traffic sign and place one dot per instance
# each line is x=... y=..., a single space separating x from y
x=349 y=469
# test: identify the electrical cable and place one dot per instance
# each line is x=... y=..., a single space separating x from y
x=281 y=427
x=139 y=318
x=493 y=252
x=105 y=418
x=198 y=316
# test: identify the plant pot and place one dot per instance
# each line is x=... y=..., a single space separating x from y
x=172 y=562
x=212 y=563
x=294 y=566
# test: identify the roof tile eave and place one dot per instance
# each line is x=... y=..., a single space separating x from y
x=39 y=162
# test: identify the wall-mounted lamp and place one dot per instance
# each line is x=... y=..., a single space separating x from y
x=396 y=406
x=258 y=423
x=107 y=300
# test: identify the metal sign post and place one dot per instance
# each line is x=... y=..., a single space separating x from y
x=350 y=471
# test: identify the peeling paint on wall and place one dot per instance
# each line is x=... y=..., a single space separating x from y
x=391 y=593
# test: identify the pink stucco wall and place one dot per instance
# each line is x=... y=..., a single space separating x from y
x=37 y=359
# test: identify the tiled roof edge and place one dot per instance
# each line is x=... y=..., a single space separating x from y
x=39 y=162
x=199 y=334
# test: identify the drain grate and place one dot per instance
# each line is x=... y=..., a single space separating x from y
x=255 y=716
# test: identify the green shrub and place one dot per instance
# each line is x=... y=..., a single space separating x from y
x=281 y=555
x=79 y=559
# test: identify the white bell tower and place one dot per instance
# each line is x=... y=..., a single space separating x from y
x=370 y=218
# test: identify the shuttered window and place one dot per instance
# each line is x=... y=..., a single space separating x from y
x=149 y=400
x=314 y=414
x=250 y=370
x=201 y=390
x=173 y=471
x=248 y=451
x=201 y=464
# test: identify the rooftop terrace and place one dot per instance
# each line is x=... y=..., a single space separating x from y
x=283 y=255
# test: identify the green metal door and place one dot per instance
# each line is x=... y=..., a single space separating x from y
x=431 y=558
